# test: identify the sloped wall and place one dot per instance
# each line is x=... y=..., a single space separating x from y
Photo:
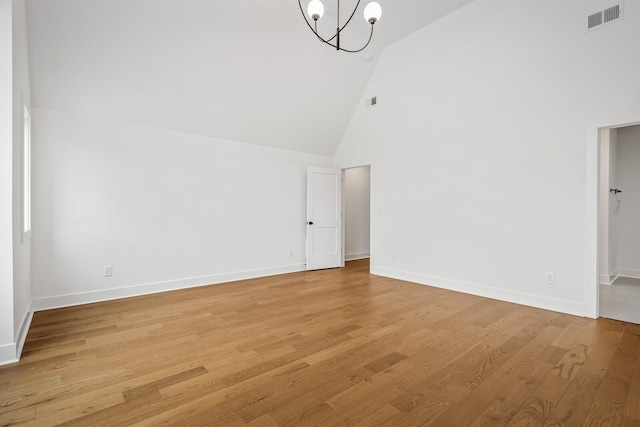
x=481 y=142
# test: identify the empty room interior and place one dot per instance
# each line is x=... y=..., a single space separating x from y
x=216 y=213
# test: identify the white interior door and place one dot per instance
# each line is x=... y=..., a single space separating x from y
x=324 y=218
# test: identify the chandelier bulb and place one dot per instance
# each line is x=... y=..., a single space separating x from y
x=315 y=9
x=372 y=12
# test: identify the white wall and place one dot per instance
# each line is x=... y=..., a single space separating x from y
x=21 y=247
x=357 y=212
x=7 y=342
x=479 y=138
x=165 y=209
x=628 y=176
x=15 y=255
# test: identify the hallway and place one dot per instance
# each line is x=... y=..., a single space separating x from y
x=621 y=301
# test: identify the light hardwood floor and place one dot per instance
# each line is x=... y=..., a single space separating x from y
x=324 y=348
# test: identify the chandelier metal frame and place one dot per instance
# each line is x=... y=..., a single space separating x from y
x=339 y=29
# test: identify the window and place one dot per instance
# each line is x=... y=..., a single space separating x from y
x=26 y=176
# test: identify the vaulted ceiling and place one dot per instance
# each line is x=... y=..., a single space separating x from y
x=246 y=70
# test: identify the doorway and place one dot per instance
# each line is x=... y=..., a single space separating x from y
x=339 y=220
x=619 y=223
x=357 y=213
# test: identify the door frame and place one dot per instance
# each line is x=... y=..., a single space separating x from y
x=371 y=213
x=592 y=211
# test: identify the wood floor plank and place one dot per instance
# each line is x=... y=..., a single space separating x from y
x=508 y=400
x=431 y=403
x=610 y=400
x=500 y=385
x=333 y=347
x=264 y=421
x=295 y=409
x=575 y=403
x=152 y=387
x=355 y=397
x=632 y=409
x=213 y=399
x=387 y=415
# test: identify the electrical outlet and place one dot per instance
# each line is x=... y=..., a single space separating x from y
x=551 y=278
x=108 y=270
x=290 y=253
x=393 y=257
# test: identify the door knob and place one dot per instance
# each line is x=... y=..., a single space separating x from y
x=310 y=222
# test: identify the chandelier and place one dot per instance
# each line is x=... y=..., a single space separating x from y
x=315 y=9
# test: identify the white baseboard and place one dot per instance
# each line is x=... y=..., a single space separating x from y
x=546 y=303
x=10 y=353
x=48 y=303
x=24 y=330
x=610 y=278
x=629 y=272
x=355 y=256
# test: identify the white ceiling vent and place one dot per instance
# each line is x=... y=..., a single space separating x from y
x=606 y=16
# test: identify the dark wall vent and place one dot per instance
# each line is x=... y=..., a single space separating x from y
x=606 y=16
x=594 y=20
x=611 y=14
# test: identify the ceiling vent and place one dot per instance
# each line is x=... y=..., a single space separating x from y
x=606 y=16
